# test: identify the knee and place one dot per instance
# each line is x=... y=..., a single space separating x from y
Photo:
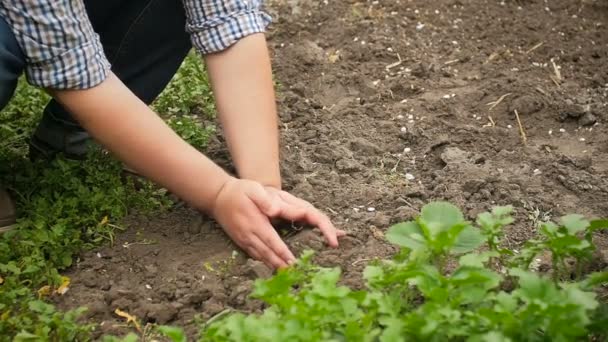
x=12 y=63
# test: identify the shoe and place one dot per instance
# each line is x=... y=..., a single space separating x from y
x=8 y=214
x=40 y=150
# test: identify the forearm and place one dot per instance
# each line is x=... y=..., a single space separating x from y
x=128 y=128
x=241 y=78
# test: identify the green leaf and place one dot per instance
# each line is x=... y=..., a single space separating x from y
x=548 y=229
x=440 y=216
x=502 y=210
x=173 y=333
x=594 y=280
x=469 y=239
x=477 y=259
x=533 y=287
x=598 y=224
x=581 y=298
x=406 y=234
x=574 y=223
x=493 y=336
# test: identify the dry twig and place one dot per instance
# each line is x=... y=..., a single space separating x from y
x=524 y=138
x=534 y=47
x=493 y=104
x=396 y=64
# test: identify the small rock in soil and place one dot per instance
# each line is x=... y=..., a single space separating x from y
x=167 y=291
x=381 y=220
x=96 y=308
x=212 y=307
x=526 y=105
x=122 y=303
x=348 y=165
x=240 y=292
x=573 y=111
x=587 y=120
x=90 y=279
x=116 y=293
x=257 y=269
x=454 y=155
x=160 y=313
x=365 y=146
x=196 y=225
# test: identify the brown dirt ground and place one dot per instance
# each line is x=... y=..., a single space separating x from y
x=372 y=91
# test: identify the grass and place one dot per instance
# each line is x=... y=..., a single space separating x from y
x=66 y=206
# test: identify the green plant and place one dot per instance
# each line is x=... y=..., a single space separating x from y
x=65 y=206
x=191 y=130
x=188 y=92
x=438 y=288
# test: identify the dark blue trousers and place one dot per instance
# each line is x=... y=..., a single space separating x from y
x=144 y=40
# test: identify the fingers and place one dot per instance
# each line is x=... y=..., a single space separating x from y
x=296 y=209
x=265 y=201
x=265 y=254
x=275 y=244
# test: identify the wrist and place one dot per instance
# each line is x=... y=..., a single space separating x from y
x=220 y=184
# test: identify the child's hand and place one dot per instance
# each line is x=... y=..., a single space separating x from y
x=244 y=208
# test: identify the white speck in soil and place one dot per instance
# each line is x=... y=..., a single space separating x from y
x=581 y=139
x=400 y=117
x=509 y=126
x=410 y=117
x=562 y=130
x=409 y=176
x=550 y=131
x=148 y=287
x=99 y=255
x=407 y=150
x=371 y=209
x=403 y=129
x=536 y=172
x=356 y=210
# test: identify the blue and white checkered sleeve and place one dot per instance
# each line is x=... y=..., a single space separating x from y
x=61 y=48
x=214 y=25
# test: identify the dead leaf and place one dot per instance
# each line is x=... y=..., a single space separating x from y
x=129 y=318
x=377 y=233
x=104 y=221
x=64 y=287
x=44 y=291
x=334 y=57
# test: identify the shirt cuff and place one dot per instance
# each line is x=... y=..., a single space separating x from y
x=218 y=35
x=81 y=67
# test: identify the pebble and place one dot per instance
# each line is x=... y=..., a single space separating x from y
x=371 y=209
x=536 y=172
x=407 y=150
x=562 y=130
x=403 y=129
x=587 y=120
x=409 y=176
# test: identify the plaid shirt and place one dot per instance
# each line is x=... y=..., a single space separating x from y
x=64 y=52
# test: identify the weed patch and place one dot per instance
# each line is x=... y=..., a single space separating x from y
x=65 y=206
x=488 y=296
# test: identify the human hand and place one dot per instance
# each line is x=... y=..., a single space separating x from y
x=244 y=209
